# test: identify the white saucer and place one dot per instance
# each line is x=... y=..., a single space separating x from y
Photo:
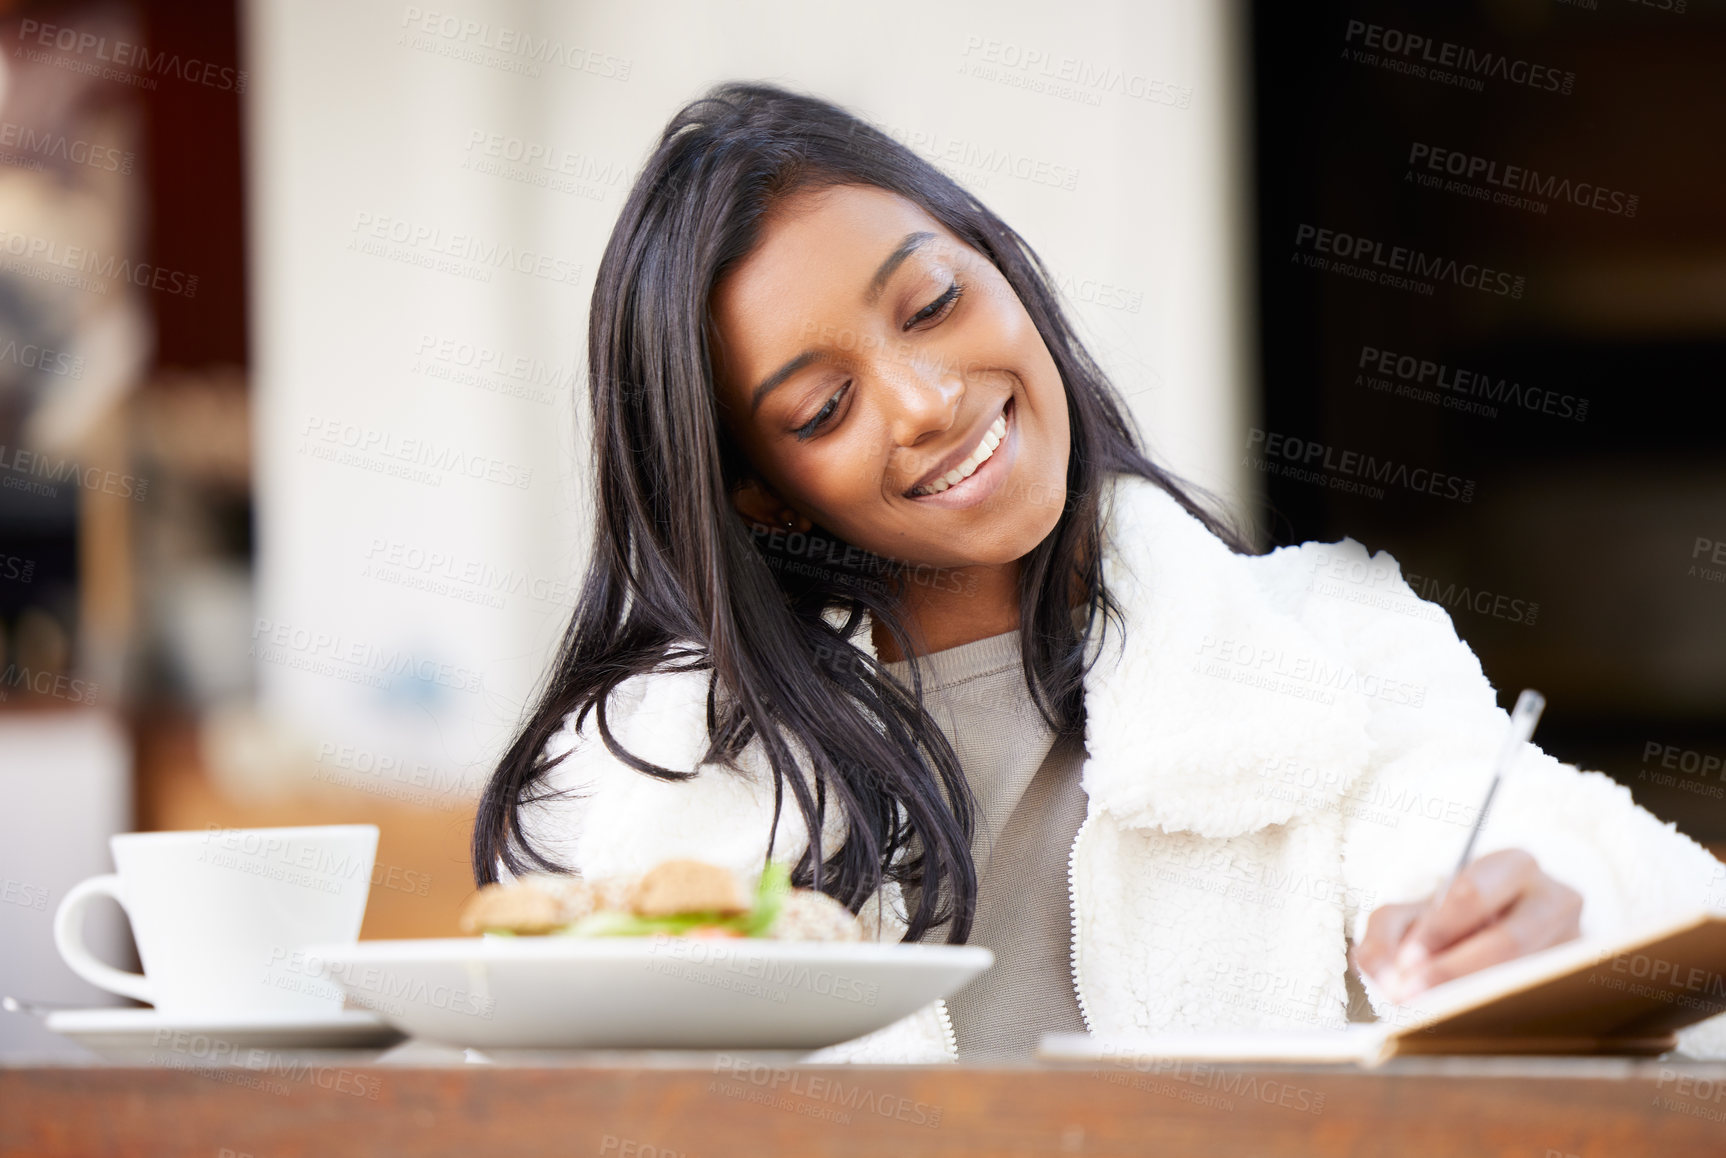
x=134 y=1034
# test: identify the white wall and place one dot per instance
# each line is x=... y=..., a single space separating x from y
x=66 y=778
x=360 y=115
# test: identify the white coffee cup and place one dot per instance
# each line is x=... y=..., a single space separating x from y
x=217 y=914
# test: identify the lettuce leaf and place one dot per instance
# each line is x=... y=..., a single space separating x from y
x=770 y=896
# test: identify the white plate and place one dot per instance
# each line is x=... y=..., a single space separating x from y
x=644 y=992
x=138 y=1034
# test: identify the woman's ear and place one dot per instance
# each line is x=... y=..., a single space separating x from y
x=757 y=503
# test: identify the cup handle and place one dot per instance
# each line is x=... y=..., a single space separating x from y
x=69 y=939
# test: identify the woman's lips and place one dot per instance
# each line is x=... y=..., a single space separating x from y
x=987 y=478
x=971 y=463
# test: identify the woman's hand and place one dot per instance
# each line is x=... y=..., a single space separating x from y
x=1500 y=907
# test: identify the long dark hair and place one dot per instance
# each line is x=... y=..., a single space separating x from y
x=677 y=581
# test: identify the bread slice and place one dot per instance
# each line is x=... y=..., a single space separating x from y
x=537 y=903
x=688 y=886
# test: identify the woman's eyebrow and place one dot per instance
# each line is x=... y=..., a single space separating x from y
x=779 y=376
x=906 y=247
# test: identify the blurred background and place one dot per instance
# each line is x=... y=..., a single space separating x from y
x=292 y=304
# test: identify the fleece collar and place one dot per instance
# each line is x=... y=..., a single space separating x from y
x=1196 y=718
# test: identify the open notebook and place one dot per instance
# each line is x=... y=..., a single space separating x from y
x=1627 y=996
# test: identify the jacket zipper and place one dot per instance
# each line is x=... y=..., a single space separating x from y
x=951 y=1041
x=949 y=1038
x=1073 y=907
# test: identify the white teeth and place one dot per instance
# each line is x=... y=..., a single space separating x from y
x=991 y=440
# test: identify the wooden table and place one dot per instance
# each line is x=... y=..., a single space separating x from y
x=634 y=1106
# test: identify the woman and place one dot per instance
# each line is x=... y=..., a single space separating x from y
x=840 y=420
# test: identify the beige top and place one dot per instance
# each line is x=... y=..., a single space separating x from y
x=1030 y=806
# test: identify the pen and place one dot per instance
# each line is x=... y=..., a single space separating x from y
x=1523 y=717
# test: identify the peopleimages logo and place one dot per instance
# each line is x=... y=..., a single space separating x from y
x=1424 y=57
x=778 y=1086
x=1428 y=381
x=279 y=858
x=431 y=246
x=34 y=35
x=41 y=359
x=1517 y=186
x=482 y=42
x=1399 y=259
x=1209 y=1077
x=351 y=444
x=331 y=653
x=986 y=160
x=1689 y=762
x=37 y=146
x=21 y=469
x=45 y=259
x=1343 y=575
x=540 y=164
x=1310 y=455
x=1307 y=677
x=496 y=370
x=1073 y=75
x=467 y=580
x=42 y=682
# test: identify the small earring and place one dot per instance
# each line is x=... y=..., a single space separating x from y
x=788 y=517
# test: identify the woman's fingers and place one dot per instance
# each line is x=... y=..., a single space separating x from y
x=1384 y=932
x=1484 y=889
x=1545 y=915
x=1500 y=907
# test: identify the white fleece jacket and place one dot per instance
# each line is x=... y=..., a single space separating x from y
x=1278 y=745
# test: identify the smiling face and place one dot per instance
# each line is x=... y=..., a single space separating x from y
x=885 y=381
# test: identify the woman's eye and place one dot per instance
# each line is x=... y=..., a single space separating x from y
x=808 y=429
x=940 y=307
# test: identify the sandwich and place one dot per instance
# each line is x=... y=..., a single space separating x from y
x=677 y=898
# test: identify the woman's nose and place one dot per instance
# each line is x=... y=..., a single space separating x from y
x=923 y=396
